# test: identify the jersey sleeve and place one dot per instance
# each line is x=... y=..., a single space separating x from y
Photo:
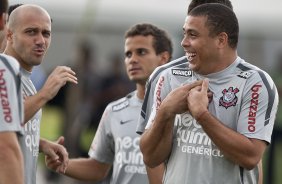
x=102 y=146
x=162 y=88
x=11 y=115
x=147 y=105
x=259 y=107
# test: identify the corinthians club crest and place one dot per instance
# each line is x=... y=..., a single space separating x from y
x=229 y=97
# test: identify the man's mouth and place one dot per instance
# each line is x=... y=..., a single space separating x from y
x=190 y=55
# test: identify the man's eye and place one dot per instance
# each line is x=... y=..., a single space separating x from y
x=47 y=34
x=191 y=34
x=141 y=52
x=30 y=31
x=128 y=54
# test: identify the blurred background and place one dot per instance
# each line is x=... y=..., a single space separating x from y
x=88 y=35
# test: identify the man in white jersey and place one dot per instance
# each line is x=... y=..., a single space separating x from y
x=217 y=141
x=11 y=115
x=3 y=32
x=116 y=143
x=150 y=86
x=154 y=77
x=28 y=38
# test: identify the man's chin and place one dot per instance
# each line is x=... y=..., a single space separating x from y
x=192 y=66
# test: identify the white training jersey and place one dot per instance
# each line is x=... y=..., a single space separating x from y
x=30 y=141
x=11 y=106
x=117 y=143
x=245 y=99
x=150 y=86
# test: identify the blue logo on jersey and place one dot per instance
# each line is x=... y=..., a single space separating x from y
x=229 y=97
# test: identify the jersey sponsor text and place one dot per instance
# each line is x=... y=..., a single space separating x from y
x=191 y=140
x=31 y=140
x=129 y=155
x=4 y=98
x=158 y=92
x=253 y=107
x=179 y=72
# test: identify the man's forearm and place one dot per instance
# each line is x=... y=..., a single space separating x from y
x=156 y=141
x=238 y=148
x=87 y=169
x=155 y=175
x=11 y=160
x=33 y=104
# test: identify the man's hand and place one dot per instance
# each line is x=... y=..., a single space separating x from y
x=198 y=99
x=58 y=78
x=176 y=100
x=56 y=156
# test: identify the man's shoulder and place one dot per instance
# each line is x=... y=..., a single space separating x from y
x=250 y=71
x=121 y=103
x=10 y=63
x=167 y=67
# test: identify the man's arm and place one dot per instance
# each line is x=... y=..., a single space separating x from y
x=155 y=175
x=260 y=181
x=156 y=141
x=56 y=152
x=11 y=160
x=86 y=169
x=58 y=78
x=90 y=168
x=241 y=150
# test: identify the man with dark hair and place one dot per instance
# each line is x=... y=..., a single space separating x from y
x=148 y=101
x=3 y=16
x=2 y=33
x=210 y=140
x=116 y=144
x=195 y=3
x=11 y=115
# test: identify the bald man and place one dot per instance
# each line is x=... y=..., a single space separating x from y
x=28 y=39
x=11 y=114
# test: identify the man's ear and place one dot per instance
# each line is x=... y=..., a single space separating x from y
x=9 y=34
x=222 y=39
x=165 y=57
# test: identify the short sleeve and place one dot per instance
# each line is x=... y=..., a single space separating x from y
x=161 y=90
x=102 y=146
x=259 y=107
x=10 y=96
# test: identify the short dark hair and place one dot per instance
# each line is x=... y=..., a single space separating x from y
x=4 y=6
x=12 y=8
x=220 y=19
x=195 y=3
x=162 y=41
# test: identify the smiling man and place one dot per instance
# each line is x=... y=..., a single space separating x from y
x=217 y=141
